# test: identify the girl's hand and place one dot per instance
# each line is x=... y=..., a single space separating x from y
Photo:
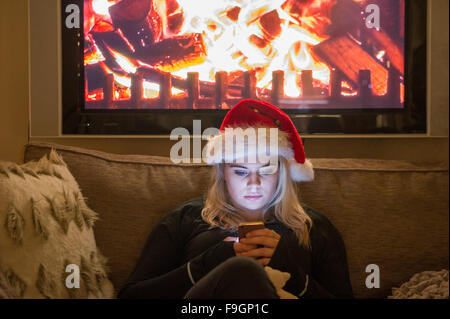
x=264 y=237
x=239 y=247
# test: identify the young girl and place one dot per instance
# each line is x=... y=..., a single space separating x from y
x=194 y=252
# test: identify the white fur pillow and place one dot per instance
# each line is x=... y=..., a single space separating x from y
x=45 y=225
x=279 y=279
x=424 y=285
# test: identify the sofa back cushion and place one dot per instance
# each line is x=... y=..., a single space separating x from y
x=392 y=214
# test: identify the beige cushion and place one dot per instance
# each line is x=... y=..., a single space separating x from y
x=424 y=285
x=390 y=213
x=45 y=225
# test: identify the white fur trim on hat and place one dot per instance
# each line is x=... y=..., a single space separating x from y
x=301 y=172
x=251 y=143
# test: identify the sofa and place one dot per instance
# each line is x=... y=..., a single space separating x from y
x=393 y=215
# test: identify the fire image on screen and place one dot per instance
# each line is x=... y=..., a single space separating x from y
x=190 y=54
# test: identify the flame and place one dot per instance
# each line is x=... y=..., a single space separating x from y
x=151 y=90
x=259 y=35
x=248 y=42
x=126 y=64
x=101 y=6
x=93 y=57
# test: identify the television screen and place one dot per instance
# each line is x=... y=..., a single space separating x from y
x=303 y=56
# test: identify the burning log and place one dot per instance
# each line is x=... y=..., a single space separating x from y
x=175 y=53
x=138 y=20
x=270 y=25
x=233 y=13
x=393 y=52
x=261 y=43
x=258 y=41
x=347 y=56
x=105 y=37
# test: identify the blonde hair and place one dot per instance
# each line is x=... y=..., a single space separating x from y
x=219 y=212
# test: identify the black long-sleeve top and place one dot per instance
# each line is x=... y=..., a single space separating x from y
x=182 y=236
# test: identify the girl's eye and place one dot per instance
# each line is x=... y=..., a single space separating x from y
x=240 y=173
x=243 y=173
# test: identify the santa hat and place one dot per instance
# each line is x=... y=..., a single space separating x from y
x=262 y=117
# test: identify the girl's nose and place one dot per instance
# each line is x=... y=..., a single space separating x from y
x=254 y=179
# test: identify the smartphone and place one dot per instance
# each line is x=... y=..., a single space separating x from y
x=244 y=228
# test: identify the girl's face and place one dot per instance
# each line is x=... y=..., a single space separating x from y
x=251 y=186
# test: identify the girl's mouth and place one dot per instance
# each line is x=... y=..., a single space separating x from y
x=253 y=197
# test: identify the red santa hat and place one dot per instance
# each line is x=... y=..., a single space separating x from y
x=259 y=115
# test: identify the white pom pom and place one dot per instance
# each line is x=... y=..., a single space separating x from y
x=301 y=172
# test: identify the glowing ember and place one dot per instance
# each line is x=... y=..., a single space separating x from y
x=347 y=89
x=95 y=95
x=381 y=55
